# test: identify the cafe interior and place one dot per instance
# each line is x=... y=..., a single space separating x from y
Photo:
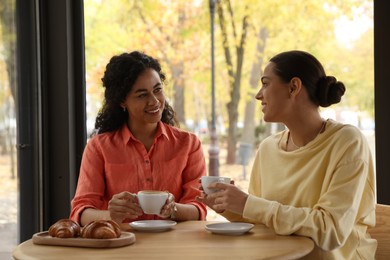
x=52 y=116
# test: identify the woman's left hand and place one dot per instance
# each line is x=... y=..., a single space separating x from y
x=169 y=207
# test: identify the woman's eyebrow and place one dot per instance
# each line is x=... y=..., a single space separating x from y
x=157 y=84
x=145 y=90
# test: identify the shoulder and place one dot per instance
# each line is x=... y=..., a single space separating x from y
x=346 y=139
x=344 y=132
x=104 y=136
x=177 y=133
x=104 y=139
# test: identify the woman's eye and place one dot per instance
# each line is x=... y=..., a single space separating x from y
x=142 y=96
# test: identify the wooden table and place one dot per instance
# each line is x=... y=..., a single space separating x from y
x=186 y=240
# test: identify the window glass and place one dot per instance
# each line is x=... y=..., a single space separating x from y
x=8 y=171
x=338 y=33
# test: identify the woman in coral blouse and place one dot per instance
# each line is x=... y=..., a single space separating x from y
x=136 y=146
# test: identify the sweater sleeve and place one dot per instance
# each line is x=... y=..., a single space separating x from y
x=341 y=205
x=329 y=222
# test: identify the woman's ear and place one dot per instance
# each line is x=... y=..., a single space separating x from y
x=295 y=85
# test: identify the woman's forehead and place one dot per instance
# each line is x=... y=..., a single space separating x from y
x=148 y=77
x=269 y=70
x=269 y=67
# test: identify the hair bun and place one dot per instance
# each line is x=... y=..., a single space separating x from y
x=329 y=91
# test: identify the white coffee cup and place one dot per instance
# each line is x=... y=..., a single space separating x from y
x=207 y=180
x=152 y=201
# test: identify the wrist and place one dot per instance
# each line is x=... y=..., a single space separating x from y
x=174 y=212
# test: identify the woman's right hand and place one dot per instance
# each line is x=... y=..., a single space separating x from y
x=124 y=205
x=210 y=202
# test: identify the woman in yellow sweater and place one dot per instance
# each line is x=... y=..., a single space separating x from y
x=314 y=179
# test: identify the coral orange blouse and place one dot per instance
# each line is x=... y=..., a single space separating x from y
x=116 y=161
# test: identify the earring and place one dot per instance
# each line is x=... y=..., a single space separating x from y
x=124 y=109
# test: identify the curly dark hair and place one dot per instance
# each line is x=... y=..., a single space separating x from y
x=323 y=90
x=121 y=73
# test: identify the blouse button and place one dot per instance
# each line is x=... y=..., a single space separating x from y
x=147 y=161
x=149 y=179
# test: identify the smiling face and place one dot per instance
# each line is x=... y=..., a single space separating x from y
x=274 y=95
x=145 y=102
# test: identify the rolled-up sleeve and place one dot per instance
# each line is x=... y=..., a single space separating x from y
x=91 y=184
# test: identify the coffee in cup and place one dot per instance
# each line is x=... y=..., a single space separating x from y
x=152 y=201
x=207 y=180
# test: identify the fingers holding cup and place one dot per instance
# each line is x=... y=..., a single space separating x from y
x=123 y=205
x=206 y=181
x=169 y=207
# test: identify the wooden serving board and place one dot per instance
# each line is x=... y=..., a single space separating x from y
x=43 y=238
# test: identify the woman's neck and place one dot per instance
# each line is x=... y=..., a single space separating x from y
x=302 y=132
x=145 y=133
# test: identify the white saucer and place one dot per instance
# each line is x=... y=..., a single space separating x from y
x=152 y=225
x=229 y=228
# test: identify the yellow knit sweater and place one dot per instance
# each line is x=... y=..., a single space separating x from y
x=324 y=190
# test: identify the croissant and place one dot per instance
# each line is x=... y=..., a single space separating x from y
x=101 y=229
x=65 y=228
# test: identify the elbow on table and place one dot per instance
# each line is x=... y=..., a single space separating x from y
x=330 y=240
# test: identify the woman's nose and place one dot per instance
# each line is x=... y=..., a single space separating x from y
x=153 y=100
x=259 y=94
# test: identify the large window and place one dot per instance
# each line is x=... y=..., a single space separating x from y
x=340 y=34
x=175 y=32
x=8 y=171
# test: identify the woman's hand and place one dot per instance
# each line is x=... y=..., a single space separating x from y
x=228 y=197
x=169 y=207
x=124 y=205
x=208 y=201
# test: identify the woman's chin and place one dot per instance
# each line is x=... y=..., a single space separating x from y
x=153 y=118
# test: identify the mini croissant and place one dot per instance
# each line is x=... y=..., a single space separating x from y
x=101 y=229
x=64 y=228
